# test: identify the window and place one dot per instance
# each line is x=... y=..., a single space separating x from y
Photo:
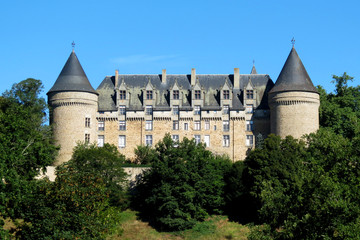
x=176 y=94
x=197 y=139
x=186 y=126
x=249 y=108
x=122 y=125
x=148 y=110
x=214 y=127
x=226 y=109
x=100 y=142
x=197 y=94
x=87 y=122
x=249 y=140
x=175 y=125
x=148 y=125
x=101 y=125
x=175 y=110
x=197 y=110
x=207 y=124
x=122 y=141
x=122 y=94
x=148 y=140
x=175 y=138
x=87 y=138
x=149 y=94
x=226 y=140
x=250 y=94
x=122 y=110
x=249 y=125
x=207 y=140
x=197 y=125
x=226 y=126
x=226 y=94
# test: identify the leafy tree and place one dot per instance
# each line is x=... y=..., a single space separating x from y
x=26 y=144
x=144 y=155
x=184 y=185
x=105 y=163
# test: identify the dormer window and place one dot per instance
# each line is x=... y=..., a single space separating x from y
x=197 y=94
x=250 y=94
x=176 y=94
x=149 y=94
x=122 y=94
x=148 y=110
x=122 y=110
x=226 y=94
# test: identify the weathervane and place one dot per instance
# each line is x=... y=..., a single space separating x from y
x=73 y=45
x=293 y=42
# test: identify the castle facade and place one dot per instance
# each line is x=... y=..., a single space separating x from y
x=227 y=112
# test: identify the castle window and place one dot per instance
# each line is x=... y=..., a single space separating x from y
x=249 y=126
x=226 y=94
x=176 y=94
x=197 y=94
x=207 y=124
x=87 y=122
x=197 y=125
x=149 y=94
x=226 y=126
x=148 y=110
x=122 y=94
x=175 y=110
x=175 y=138
x=100 y=142
x=122 y=125
x=249 y=108
x=122 y=110
x=87 y=138
x=148 y=140
x=122 y=141
x=186 y=126
x=250 y=94
x=207 y=140
x=175 y=125
x=197 y=110
x=249 y=140
x=197 y=139
x=101 y=125
x=226 y=109
x=148 y=125
x=226 y=140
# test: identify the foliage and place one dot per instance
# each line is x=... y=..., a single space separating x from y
x=75 y=206
x=105 y=163
x=26 y=144
x=144 y=155
x=184 y=185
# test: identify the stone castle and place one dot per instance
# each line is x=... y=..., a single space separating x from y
x=227 y=112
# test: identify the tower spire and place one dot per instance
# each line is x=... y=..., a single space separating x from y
x=73 y=46
x=293 y=42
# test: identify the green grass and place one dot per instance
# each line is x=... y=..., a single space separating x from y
x=216 y=227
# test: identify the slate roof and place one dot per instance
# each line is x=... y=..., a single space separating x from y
x=72 y=77
x=210 y=83
x=293 y=76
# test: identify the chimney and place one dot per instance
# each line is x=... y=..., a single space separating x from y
x=116 y=78
x=236 y=78
x=163 y=76
x=193 y=76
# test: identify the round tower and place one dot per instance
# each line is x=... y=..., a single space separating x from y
x=73 y=105
x=294 y=101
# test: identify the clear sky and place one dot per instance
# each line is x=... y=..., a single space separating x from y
x=143 y=37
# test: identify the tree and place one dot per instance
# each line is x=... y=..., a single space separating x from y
x=105 y=163
x=185 y=184
x=26 y=144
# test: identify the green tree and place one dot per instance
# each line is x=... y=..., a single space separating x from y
x=185 y=184
x=26 y=143
x=144 y=155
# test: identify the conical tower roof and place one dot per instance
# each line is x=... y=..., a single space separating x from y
x=253 y=70
x=293 y=76
x=72 y=78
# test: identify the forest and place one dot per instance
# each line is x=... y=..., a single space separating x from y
x=306 y=188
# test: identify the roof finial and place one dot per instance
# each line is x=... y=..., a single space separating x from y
x=253 y=62
x=293 y=42
x=73 y=46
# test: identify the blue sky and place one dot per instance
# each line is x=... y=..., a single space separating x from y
x=143 y=37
